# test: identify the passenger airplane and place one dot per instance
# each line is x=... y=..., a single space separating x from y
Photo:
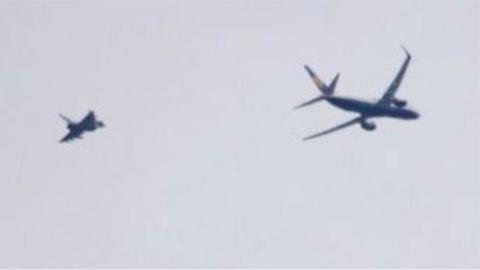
x=89 y=123
x=387 y=106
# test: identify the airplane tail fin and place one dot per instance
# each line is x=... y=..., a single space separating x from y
x=65 y=118
x=324 y=89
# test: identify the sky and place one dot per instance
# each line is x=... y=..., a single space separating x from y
x=202 y=163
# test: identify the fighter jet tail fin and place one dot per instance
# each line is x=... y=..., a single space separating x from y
x=65 y=118
x=325 y=89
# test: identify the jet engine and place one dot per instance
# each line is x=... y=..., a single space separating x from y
x=368 y=125
x=399 y=102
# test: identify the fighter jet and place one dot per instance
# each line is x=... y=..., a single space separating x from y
x=387 y=106
x=88 y=123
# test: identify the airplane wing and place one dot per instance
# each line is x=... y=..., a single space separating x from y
x=70 y=136
x=344 y=125
x=392 y=89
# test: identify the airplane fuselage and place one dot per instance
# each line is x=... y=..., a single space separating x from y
x=77 y=129
x=80 y=127
x=371 y=109
x=387 y=106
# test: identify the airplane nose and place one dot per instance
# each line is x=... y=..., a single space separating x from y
x=415 y=115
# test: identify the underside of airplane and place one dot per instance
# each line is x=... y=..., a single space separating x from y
x=387 y=106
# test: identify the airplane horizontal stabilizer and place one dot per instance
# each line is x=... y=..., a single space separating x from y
x=333 y=84
x=310 y=102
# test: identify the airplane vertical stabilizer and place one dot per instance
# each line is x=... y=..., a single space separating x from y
x=325 y=89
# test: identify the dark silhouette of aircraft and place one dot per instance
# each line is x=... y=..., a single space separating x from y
x=387 y=106
x=88 y=123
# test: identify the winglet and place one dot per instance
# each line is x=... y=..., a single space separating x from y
x=406 y=51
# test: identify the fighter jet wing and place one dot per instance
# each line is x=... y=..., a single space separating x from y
x=392 y=89
x=70 y=136
x=344 y=125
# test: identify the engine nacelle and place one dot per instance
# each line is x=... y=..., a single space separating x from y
x=399 y=102
x=368 y=126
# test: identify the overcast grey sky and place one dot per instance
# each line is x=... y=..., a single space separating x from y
x=202 y=163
